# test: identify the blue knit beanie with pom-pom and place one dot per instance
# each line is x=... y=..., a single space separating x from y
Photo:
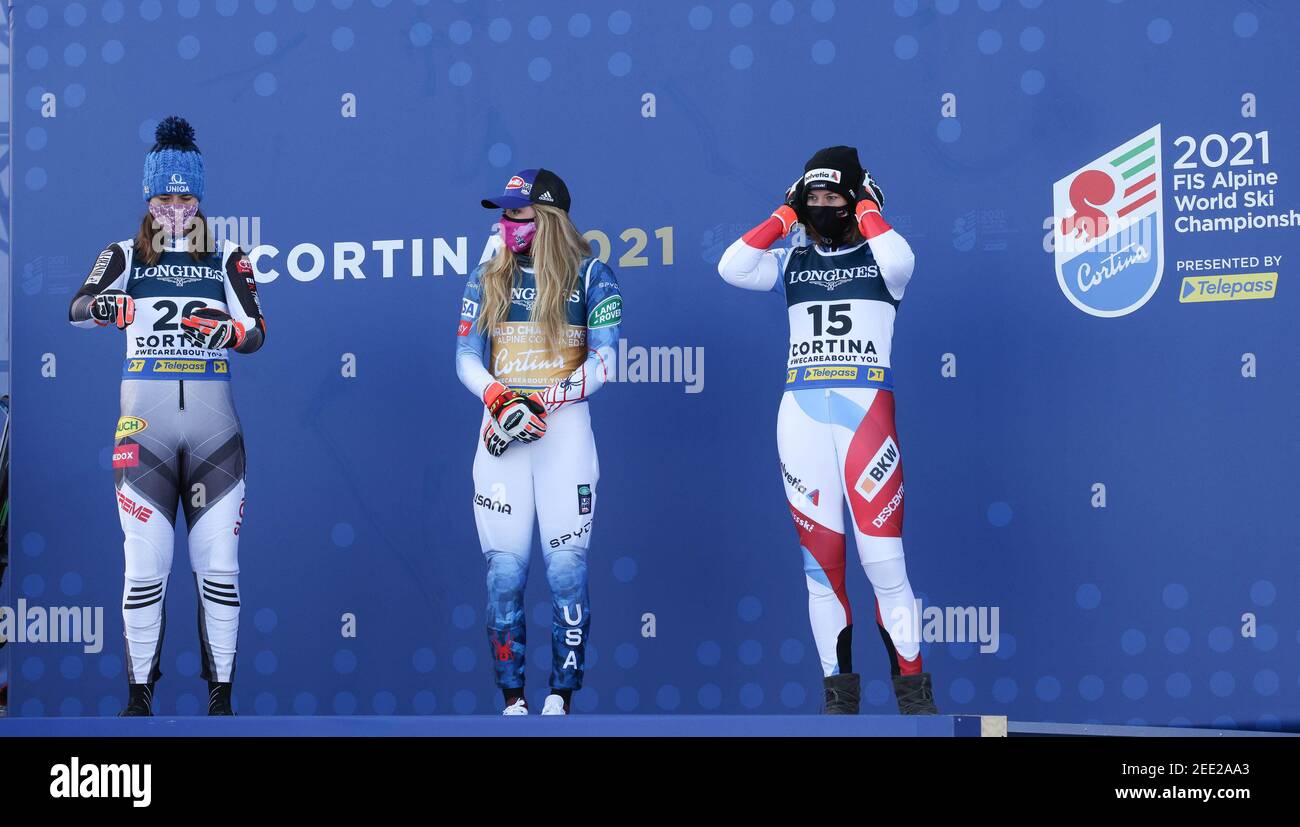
x=174 y=166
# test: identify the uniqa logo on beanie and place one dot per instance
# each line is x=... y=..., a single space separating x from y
x=174 y=166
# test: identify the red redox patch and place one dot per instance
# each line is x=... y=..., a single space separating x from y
x=126 y=455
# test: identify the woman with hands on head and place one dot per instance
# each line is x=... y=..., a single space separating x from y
x=835 y=429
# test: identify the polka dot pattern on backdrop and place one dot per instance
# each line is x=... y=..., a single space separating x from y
x=1245 y=24
x=1088 y=596
x=620 y=23
x=620 y=63
x=579 y=25
x=1159 y=31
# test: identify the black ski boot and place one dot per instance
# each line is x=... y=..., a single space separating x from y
x=219 y=699
x=915 y=695
x=140 y=703
x=842 y=694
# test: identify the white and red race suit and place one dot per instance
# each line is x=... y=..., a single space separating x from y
x=835 y=431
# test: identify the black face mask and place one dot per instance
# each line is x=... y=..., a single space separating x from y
x=831 y=223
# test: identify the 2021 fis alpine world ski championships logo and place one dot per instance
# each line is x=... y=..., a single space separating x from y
x=1109 y=228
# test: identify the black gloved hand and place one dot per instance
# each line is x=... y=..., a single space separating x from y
x=212 y=329
x=113 y=307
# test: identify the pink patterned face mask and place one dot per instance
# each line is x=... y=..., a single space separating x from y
x=174 y=218
x=518 y=235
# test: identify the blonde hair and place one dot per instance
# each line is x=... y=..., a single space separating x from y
x=557 y=252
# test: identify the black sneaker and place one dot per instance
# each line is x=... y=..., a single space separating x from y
x=842 y=694
x=140 y=703
x=915 y=695
x=219 y=699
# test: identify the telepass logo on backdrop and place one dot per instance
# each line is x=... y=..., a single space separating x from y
x=1109 y=229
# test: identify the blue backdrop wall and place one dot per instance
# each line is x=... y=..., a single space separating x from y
x=1111 y=468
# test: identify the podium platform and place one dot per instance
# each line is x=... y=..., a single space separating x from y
x=460 y=726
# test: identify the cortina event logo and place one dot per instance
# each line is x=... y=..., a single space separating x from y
x=1109 y=228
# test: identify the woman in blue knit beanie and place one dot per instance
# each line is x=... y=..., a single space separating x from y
x=179 y=443
x=173 y=187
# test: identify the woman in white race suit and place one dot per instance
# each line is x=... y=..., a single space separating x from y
x=546 y=315
x=835 y=429
x=179 y=442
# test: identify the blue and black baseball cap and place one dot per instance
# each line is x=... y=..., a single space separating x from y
x=531 y=186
